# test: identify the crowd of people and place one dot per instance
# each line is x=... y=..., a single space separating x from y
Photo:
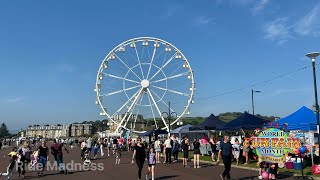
x=24 y=155
x=158 y=151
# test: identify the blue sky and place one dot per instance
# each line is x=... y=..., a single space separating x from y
x=50 y=52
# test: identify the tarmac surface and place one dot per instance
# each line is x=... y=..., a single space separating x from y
x=127 y=171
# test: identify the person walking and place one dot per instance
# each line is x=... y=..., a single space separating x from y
x=157 y=147
x=114 y=145
x=196 y=153
x=185 y=146
x=118 y=155
x=151 y=158
x=246 y=150
x=109 y=146
x=25 y=157
x=43 y=151
x=102 y=147
x=10 y=168
x=56 y=151
x=96 y=148
x=175 y=149
x=89 y=146
x=84 y=148
x=226 y=152
x=213 y=149
x=236 y=149
x=139 y=154
x=129 y=143
x=168 y=145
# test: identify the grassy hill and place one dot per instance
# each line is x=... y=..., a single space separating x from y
x=228 y=116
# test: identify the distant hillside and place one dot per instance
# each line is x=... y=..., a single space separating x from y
x=228 y=116
x=100 y=125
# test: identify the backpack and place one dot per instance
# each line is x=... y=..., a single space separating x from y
x=176 y=146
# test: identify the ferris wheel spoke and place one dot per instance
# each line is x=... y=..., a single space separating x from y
x=170 y=90
x=134 y=95
x=129 y=109
x=163 y=66
x=127 y=66
x=156 y=105
x=154 y=52
x=116 y=92
x=139 y=61
x=117 y=77
x=154 y=118
x=179 y=66
x=171 y=77
x=129 y=117
x=161 y=99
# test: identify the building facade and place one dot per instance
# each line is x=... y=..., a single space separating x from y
x=58 y=131
x=78 y=130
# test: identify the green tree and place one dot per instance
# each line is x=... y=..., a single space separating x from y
x=3 y=130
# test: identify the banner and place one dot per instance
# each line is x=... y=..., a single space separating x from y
x=273 y=144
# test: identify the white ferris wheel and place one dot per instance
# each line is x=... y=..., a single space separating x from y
x=138 y=78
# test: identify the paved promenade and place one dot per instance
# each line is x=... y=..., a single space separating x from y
x=127 y=171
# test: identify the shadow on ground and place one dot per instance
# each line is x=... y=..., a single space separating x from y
x=166 y=177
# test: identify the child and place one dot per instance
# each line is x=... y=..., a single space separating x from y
x=151 y=158
x=109 y=145
x=263 y=168
x=273 y=171
x=34 y=158
x=95 y=150
x=236 y=150
x=10 y=168
x=87 y=160
x=118 y=155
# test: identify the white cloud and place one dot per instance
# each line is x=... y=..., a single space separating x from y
x=172 y=10
x=310 y=23
x=277 y=30
x=259 y=6
x=202 y=20
x=14 y=100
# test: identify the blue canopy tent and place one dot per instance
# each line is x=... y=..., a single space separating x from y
x=245 y=121
x=209 y=124
x=304 y=119
x=155 y=131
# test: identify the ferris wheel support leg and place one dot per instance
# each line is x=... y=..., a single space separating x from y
x=135 y=105
x=129 y=109
x=155 y=104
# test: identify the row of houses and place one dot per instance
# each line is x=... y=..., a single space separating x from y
x=58 y=131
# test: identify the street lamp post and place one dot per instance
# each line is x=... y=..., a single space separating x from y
x=169 y=115
x=313 y=57
x=253 y=91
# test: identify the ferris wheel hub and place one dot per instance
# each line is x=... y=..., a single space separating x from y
x=145 y=83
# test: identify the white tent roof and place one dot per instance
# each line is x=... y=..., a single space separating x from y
x=182 y=129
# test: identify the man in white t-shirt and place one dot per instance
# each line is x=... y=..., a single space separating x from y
x=89 y=145
x=168 y=145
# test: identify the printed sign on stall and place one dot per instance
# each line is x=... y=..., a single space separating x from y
x=273 y=144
